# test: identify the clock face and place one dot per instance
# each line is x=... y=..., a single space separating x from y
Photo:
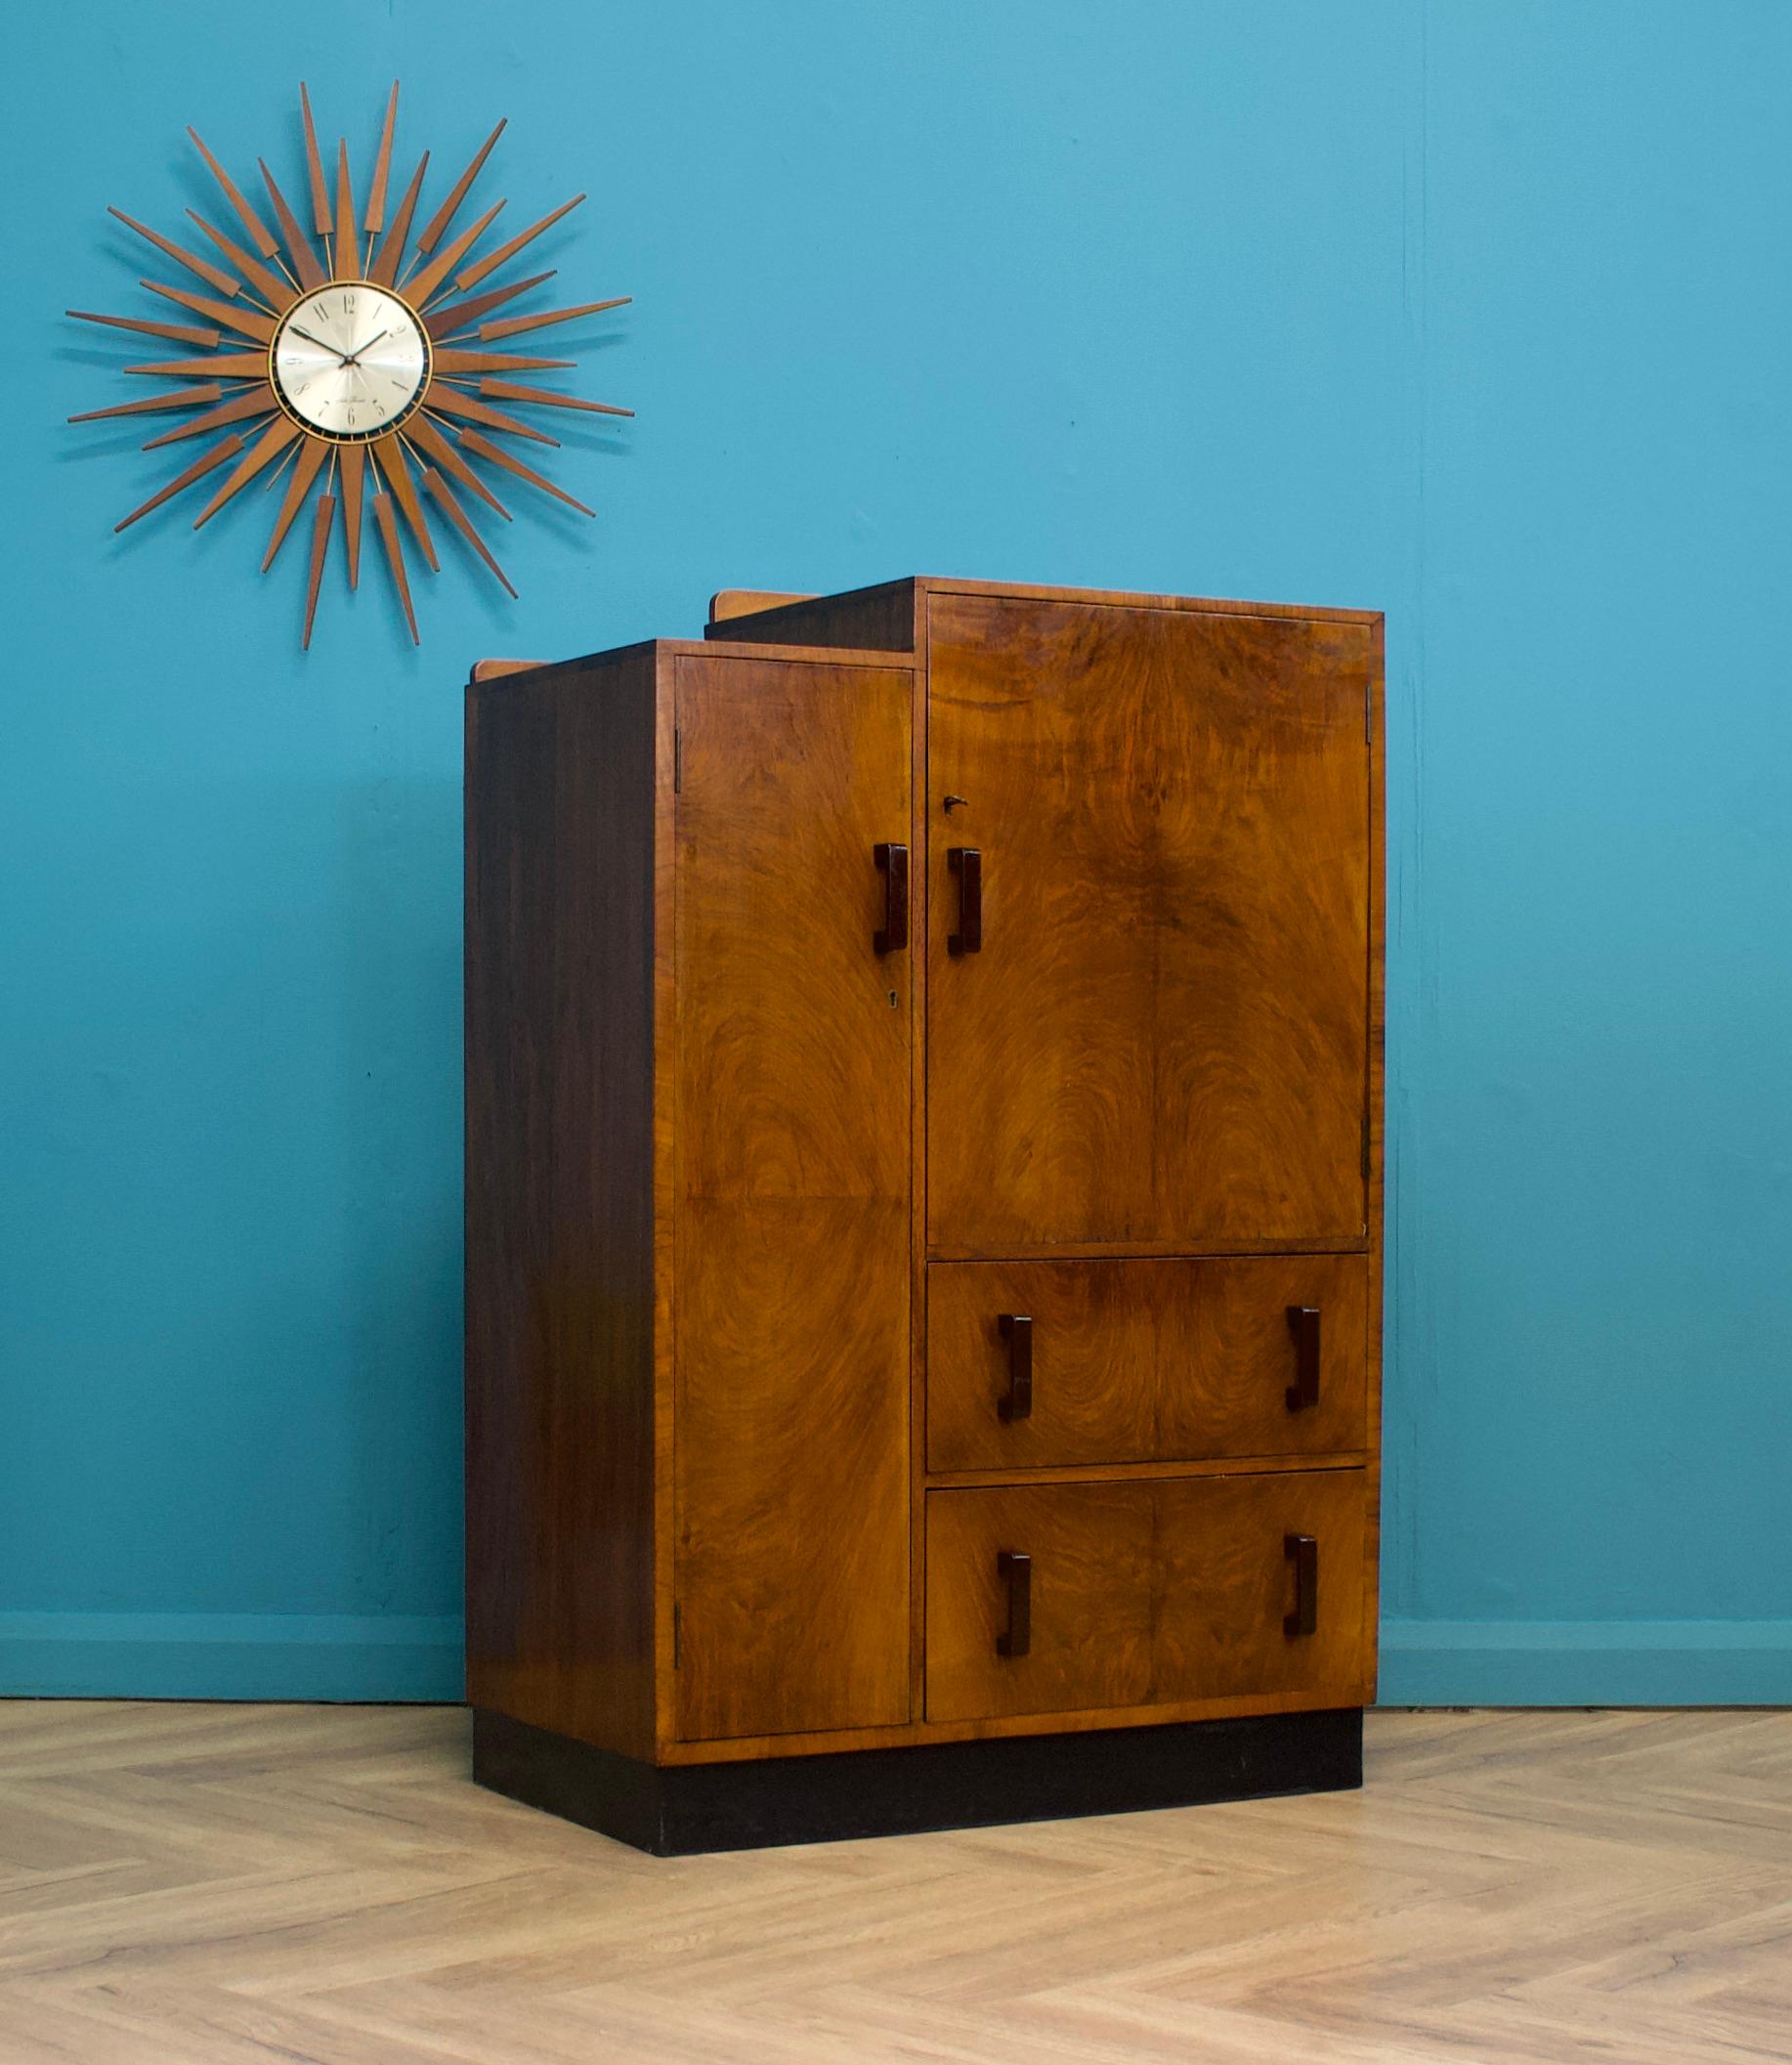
x=350 y=362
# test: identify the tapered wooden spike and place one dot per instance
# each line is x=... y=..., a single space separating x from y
x=227 y=366
x=181 y=398
x=395 y=558
x=429 y=440
x=451 y=358
x=445 y=322
x=175 y=332
x=265 y=448
x=463 y=523
x=200 y=468
x=314 y=168
x=259 y=235
x=246 y=322
x=444 y=214
x=545 y=397
x=515 y=326
x=298 y=245
x=354 y=475
x=348 y=239
x=312 y=454
x=389 y=453
x=482 y=448
x=384 y=270
x=273 y=287
x=453 y=403
x=423 y=284
x=252 y=401
x=320 y=546
x=474 y=274
x=375 y=221
x=212 y=274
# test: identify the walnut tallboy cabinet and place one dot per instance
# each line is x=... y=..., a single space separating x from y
x=925 y=1212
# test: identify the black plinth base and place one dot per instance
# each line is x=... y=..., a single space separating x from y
x=675 y=1810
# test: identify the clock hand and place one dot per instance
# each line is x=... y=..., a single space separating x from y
x=353 y=358
x=318 y=343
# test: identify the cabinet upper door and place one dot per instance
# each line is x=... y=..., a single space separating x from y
x=1148 y=954
x=791 y=1158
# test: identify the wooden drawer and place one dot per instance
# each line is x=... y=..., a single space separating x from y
x=1143 y=1361
x=1145 y=1592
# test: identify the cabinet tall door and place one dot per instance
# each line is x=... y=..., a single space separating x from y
x=791 y=1198
x=1149 y=938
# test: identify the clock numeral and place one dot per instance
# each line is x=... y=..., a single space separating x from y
x=348 y=304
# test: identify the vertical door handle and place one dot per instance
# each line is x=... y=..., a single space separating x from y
x=1303 y=1324
x=966 y=863
x=1016 y=1402
x=1302 y=1551
x=1015 y=1570
x=893 y=865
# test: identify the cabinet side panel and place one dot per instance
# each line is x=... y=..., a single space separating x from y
x=865 y=620
x=559 y=1200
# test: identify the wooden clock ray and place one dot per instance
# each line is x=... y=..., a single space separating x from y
x=355 y=359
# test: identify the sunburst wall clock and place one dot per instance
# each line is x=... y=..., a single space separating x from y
x=354 y=358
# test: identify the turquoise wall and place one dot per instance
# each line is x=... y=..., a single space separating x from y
x=1476 y=312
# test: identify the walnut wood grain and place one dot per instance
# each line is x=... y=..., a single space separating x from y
x=384 y=268
x=347 y=236
x=265 y=448
x=273 y=287
x=389 y=457
x=1143 y=1592
x=546 y=397
x=222 y=366
x=259 y=235
x=456 y=402
x=354 y=459
x=226 y=449
x=1163 y=1039
x=215 y=276
x=312 y=454
x=457 y=193
x=386 y=519
x=451 y=359
x=374 y=220
x=516 y=325
x=304 y=266
x=495 y=454
x=314 y=168
x=1143 y=1361
x=445 y=322
x=429 y=439
x=472 y=275
x=319 y=550
x=422 y=284
x=240 y=408
x=246 y=322
x=175 y=332
x=154 y=404
x=792 y=1145
x=560 y=798
x=751 y=602
x=463 y=523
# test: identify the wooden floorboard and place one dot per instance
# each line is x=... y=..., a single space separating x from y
x=215 y=1885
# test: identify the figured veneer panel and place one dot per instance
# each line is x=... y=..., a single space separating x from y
x=1144 y=1592
x=1143 y=1361
x=1162 y=1040
x=793 y=1179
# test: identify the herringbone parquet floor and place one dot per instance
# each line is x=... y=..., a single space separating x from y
x=216 y=1885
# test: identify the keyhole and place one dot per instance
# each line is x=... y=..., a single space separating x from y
x=892 y=1000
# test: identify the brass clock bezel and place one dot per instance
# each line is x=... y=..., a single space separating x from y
x=389 y=423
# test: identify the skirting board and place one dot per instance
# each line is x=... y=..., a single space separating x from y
x=1586 y=1663
x=677 y=1810
x=378 y=1657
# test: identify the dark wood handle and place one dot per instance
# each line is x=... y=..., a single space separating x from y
x=966 y=863
x=1303 y=1324
x=893 y=865
x=1015 y=1570
x=1302 y=1551
x=1016 y=1404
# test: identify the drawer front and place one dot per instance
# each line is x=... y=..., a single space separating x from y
x=1123 y=1361
x=1144 y=1592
